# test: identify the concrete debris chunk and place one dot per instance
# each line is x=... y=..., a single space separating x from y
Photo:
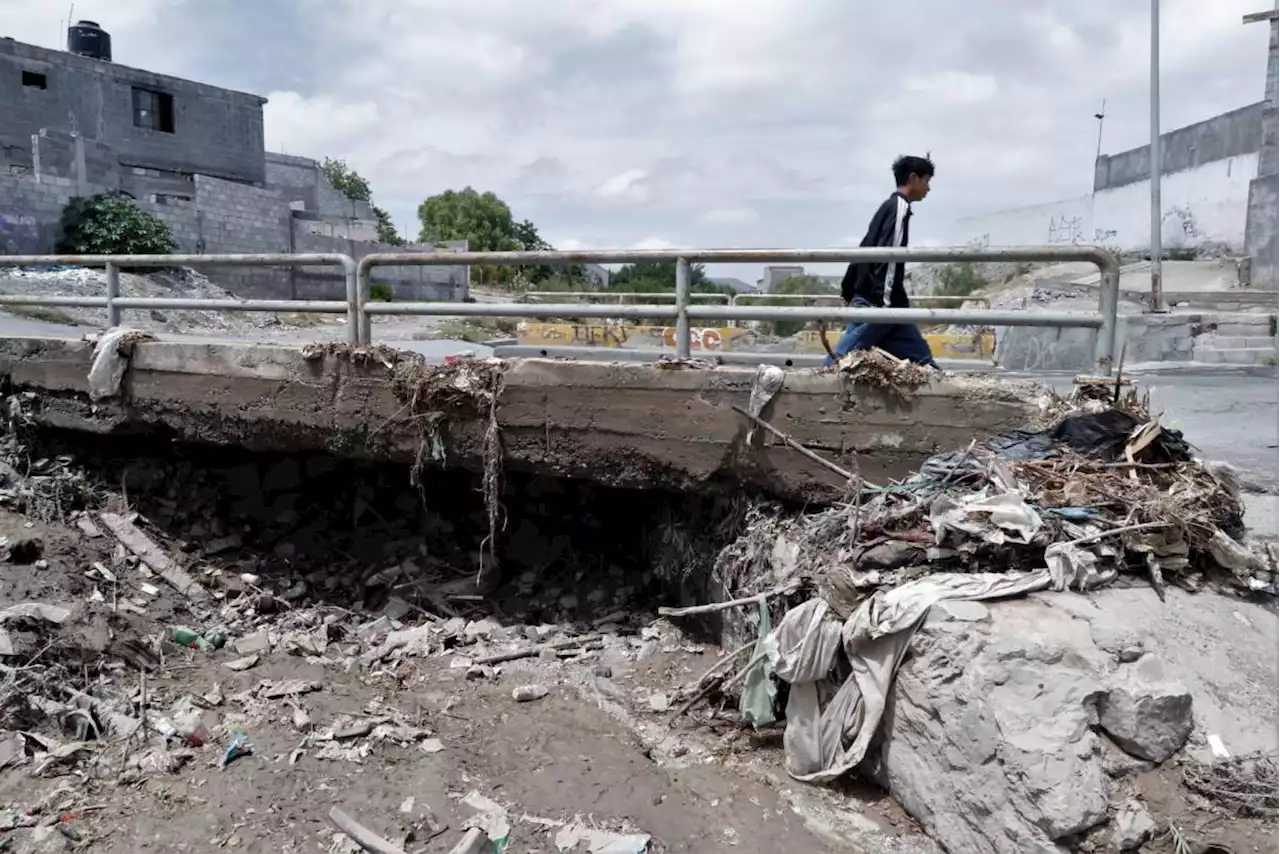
x=1147 y=715
x=1133 y=826
x=287 y=688
x=577 y=836
x=250 y=644
x=490 y=817
x=529 y=693
x=241 y=664
x=35 y=611
x=153 y=556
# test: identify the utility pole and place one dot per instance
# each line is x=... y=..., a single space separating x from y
x=1157 y=217
x=1101 y=115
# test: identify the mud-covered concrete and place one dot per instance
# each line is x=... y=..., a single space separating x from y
x=619 y=424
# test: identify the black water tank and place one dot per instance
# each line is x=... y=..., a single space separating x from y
x=86 y=38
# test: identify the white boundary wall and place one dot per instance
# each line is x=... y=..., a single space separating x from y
x=1205 y=205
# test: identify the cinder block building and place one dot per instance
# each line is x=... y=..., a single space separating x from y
x=75 y=123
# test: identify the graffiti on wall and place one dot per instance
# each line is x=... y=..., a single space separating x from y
x=618 y=335
x=19 y=234
x=1066 y=230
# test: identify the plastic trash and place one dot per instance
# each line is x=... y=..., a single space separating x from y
x=240 y=746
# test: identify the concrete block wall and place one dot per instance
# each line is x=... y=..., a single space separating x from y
x=15 y=154
x=1211 y=337
x=216 y=131
x=1222 y=137
x=239 y=218
x=182 y=218
x=408 y=284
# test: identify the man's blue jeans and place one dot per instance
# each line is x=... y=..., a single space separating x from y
x=899 y=339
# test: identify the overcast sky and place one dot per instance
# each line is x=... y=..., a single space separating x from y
x=618 y=123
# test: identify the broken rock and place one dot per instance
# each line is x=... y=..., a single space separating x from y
x=989 y=737
x=1133 y=826
x=1147 y=715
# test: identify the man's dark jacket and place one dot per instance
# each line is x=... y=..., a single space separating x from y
x=867 y=280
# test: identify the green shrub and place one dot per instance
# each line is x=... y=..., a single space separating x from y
x=111 y=224
x=958 y=280
x=379 y=292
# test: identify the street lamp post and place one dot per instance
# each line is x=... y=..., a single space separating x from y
x=1157 y=218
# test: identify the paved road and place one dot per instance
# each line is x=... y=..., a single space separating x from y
x=1227 y=415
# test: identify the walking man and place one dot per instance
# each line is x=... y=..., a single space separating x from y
x=868 y=284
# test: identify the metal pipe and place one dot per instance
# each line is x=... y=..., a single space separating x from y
x=113 y=293
x=69 y=302
x=315 y=306
x=364 y=288
x=125 y=261
x=1094 y=254
x=351 y=278
x=514 y=309
x=918 y=316
x=682 y=308
x=1104 y=348
x=1157 y=215
x=587 y=296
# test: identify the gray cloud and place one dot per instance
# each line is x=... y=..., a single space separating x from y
x=725 y=122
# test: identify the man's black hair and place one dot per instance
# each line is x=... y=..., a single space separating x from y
x=905 y=167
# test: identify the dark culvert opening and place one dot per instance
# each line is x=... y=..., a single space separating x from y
x=359 y=535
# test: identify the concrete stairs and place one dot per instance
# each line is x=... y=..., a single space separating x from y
x=1235 y=349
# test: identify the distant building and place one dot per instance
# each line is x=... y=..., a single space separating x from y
x=597 y=276
x=776 y=275
x=74 y=123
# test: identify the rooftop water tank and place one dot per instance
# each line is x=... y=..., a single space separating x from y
x=86 y=38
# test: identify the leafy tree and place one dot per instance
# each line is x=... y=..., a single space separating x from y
x=111 y=224
x=660 y=276
x=386 y=228
x=346 y=179
x=486 y=223
x=482 y=219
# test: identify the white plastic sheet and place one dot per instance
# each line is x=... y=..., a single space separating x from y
x=994 y=518
x=830 y=722
x=109 y=364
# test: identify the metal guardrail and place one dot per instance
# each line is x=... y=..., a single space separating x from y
x=360 y=309
x=1104 y=320
x=114 y=303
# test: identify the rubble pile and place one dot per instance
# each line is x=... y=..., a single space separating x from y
x=178 y=282
x=311 y=596
x=879 y=680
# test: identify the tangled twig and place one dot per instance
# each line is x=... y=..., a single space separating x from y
x=1247 y=785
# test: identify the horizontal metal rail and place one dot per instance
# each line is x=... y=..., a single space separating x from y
x=114 y=303
x=917 y=316
x=833 y=299
x=621 y=296
x=517 y=309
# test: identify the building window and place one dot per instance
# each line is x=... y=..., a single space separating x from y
x=153 y=110
x=34 y=80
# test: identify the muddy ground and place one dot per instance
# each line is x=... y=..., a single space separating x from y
x=316 y=569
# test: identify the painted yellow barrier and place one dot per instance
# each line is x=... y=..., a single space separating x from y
x=623 y=335
x=723 y=338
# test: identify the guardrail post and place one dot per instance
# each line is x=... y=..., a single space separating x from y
x=682 y=308
x=365 y=322
x=350 y=273
x=1108 y=304
x=113 y=292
